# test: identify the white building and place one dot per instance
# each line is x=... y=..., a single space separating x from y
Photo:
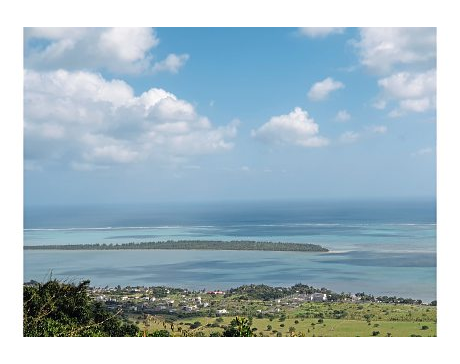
x=318 y=297
x=189 y=308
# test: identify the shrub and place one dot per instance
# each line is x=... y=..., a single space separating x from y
x=195 y=325
x=239 y=326
x=160 y=333
x=61 y=309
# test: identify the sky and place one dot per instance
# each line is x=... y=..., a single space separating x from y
x=208 y=114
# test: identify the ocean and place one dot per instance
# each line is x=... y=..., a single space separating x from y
x=377 y=247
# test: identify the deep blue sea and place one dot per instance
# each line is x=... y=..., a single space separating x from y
x=379 y=247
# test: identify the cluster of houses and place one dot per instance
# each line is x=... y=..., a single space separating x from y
x=312 y=297
x=141 y=300
x=215 y=292
x=194 y=305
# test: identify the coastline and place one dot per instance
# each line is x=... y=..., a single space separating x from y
x=197 y=269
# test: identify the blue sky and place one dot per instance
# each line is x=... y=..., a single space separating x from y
x=209 y=114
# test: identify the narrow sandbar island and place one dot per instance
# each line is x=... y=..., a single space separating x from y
x=190 y=245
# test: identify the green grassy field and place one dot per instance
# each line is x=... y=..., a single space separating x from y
x=318 y=319
x=306 y=327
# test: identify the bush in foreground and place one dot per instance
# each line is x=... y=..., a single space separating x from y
x=239 y=327
x=61 y=309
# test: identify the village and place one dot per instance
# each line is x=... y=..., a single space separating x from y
x=185 y=303
x=199 y=303
x=272 y=311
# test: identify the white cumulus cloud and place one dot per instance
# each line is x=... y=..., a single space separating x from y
x=320 y=32
x=87 y=122
x=415 y=92
x=127 y=44
x=343 y=115
x=172 y=63
x=405 y=59
x=295 y=128
x=406 y=85
x=382 y=49
x=349 y=137
x=321 y=90
x=417 y=105
x=121 y=50
x=366 y=132
x=55 y=33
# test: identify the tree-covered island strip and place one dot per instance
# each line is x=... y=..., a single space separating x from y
x=189 y=245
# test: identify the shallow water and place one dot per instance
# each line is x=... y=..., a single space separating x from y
x=380 y=247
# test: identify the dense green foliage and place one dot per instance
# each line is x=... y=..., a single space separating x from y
x=159 y=333
x=189 y=245
x=266 y=293
x=239 y=327
x=60 y=309
x=388 y=299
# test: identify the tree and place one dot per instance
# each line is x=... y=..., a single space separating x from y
x=160 y=333
x=239 y=327
x=195 y=325
x=61 y=309
x=269 y=327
